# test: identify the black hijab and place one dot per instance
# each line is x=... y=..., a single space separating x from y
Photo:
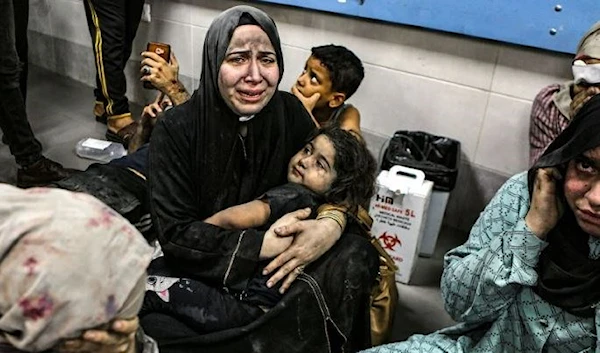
x=567 y=277
x=232 y=169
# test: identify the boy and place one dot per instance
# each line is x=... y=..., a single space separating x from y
x=331 y=75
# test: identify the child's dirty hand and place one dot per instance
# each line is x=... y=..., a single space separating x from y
x=308 y=102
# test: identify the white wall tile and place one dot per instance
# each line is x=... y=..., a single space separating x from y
x=179 y=36
x=203 y=12
x=504 y=142
x=142 y=37
x=522 y=72
x=41 y=50
x=39 y=16
x=294 y=60
x=297 y=28
x=171 y=10
x=69 y=22
x=80 y=65
x=135 y=90
x=390 y=100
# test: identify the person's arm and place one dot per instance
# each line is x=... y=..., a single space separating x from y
x=308 y=103
x=312 y=239
x=482 y=277
x=251 y=214
x=146 y=124
x=121 y=338
x=350 y=120
x=177 y=93
x=164 y=76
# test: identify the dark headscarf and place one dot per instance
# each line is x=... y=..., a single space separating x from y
x=567 y=277
x=236 y=169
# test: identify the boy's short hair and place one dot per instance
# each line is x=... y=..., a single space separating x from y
x=355 y=166
x=345 y=68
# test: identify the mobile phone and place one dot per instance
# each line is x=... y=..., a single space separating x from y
x=161 y=49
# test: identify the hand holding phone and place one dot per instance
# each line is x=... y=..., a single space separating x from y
x=162 y=50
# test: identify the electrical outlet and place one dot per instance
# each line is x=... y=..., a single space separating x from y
x=146 y=16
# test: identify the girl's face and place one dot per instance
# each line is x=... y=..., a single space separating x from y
x=582 y=190
x=249 y=73
x=314 y=166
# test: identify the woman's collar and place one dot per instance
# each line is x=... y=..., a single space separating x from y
x=244 y=119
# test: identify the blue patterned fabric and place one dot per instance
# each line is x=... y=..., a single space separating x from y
x=487 y=286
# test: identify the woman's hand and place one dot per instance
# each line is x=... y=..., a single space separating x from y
x=163 y=75
x=544 y=211
x=274 y=244
x=312 y=238
x=120 y=339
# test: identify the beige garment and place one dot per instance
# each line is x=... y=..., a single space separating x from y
x=67 y=263
x=590 y=43
x=589 y=46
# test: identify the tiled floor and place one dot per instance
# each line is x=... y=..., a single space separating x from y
x=60 y=112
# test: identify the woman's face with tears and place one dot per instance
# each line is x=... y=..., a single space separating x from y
x=249 y=74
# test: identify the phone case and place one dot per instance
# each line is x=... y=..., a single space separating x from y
x=161 y=49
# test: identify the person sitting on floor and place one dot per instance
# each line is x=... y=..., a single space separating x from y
x=528 y=278
x=334 y=167
x=555 y=105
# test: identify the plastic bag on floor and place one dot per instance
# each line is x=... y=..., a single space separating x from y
x=437 y=156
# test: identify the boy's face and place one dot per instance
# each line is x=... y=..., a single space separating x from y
x=315 y=79
x=313 y=166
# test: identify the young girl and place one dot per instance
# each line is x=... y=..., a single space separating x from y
x=334 y=167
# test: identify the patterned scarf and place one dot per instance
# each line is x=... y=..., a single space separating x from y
x=67 y=263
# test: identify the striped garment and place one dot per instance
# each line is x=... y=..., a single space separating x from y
x=487 y=286
x=546 y=122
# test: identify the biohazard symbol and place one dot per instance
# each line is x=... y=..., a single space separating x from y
x=389 y=241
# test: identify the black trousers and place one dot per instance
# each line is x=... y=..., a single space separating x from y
x=21 y=9
x=113 y=25
x=16 y=130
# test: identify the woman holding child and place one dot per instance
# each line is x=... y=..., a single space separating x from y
x=226 y=146
x=528 y=278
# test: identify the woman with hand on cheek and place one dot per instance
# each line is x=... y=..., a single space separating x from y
x=528 y=278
